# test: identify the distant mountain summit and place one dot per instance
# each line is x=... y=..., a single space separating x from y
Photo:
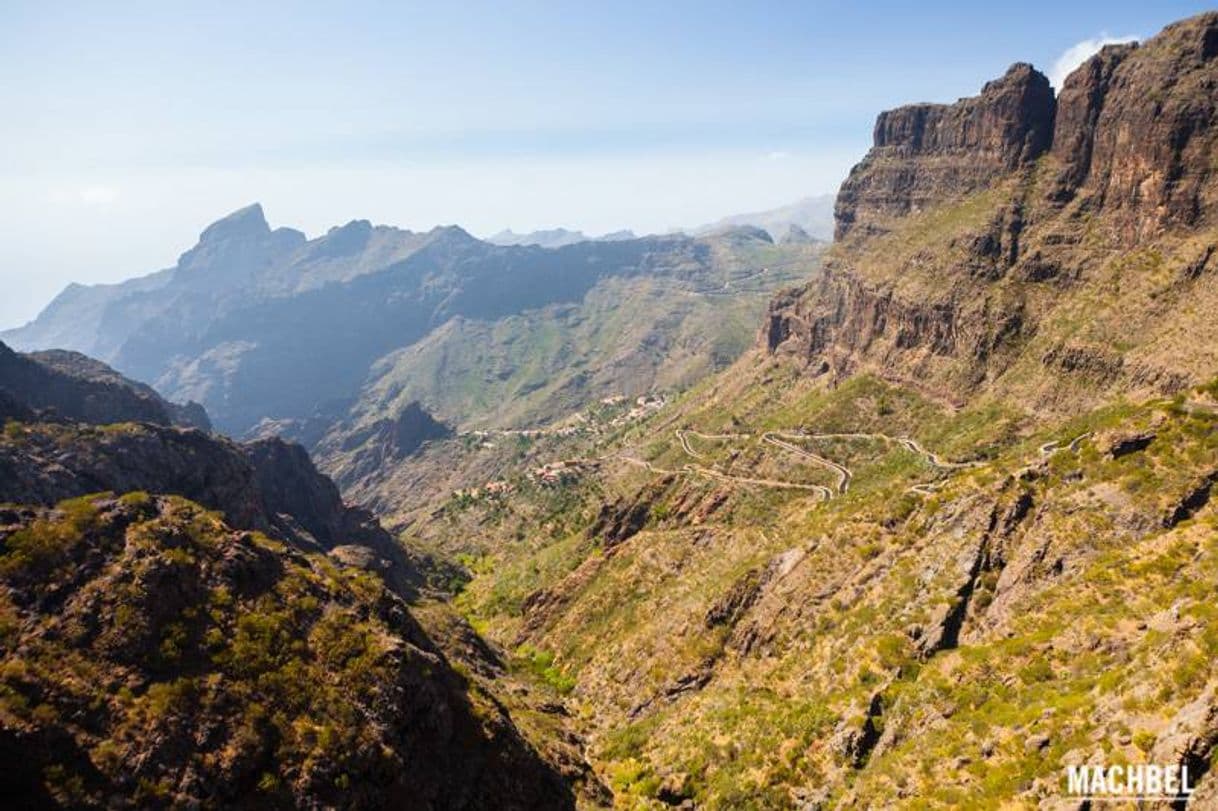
x=548 y=238
x=811 y=215
x=554 y=238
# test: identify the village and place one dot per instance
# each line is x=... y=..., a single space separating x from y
x=564 y=471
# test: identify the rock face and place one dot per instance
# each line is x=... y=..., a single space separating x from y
x=413 y=427
x=1079 y=105
x=925 y=153
x=71 y=386
x=1131 y=128
x=973 y=235
x=1137 y=130
x=375 y=447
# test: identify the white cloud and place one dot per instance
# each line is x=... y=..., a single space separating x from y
x=778 y=155
x=1079 y=53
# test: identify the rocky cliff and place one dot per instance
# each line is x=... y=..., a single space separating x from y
x=1012 y=243
x=358 y=453
x=927 y=153
x=1136 y=132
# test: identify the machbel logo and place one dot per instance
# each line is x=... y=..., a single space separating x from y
x=1140 y=781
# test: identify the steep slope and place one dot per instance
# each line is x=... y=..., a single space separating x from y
x=949 y=528
x=625 y=336
x=72 y=386
x=226 y=631
x=152 y=655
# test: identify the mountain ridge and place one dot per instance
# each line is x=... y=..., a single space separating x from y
x=1041 y=232
x=265 y=327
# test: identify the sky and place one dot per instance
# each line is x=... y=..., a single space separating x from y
x=129 y=127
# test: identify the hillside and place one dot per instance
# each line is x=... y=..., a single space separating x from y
x=947 y=528
x=191 y=621
x=68 y=385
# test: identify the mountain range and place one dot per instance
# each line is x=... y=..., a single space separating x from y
x=553 y=238
x=267 y=328
x=919 y=519
x=807 y=218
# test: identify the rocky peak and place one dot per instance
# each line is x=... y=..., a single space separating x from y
x=244 y=223
x=377 y=446
x=1136 y=131
x=1131 y=132
x=1009 y=119
x=1078 y=109
x=345 y=240
x=1125 y=158
x=451 y=235
x=413 y=427
x=742 y=234
x=795 y=235
x=235 y=250
x=926 y=153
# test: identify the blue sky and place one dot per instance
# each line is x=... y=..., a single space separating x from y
x=128 y=130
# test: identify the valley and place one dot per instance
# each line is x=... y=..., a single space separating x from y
x=920 y=518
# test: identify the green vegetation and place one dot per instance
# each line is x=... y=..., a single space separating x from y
x=541 y=665
x=873 y=574
x=664 y=332
x=291 y=662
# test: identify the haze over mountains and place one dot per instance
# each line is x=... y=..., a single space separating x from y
x=811 y=215
x=553 y=238
x=260 y=324
x=728 y=520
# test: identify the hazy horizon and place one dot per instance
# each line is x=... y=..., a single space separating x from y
x=131 y=130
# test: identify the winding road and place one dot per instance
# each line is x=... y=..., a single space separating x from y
x=683 y=434
x=783 y=441
x=706 y=472
x=843 y=473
